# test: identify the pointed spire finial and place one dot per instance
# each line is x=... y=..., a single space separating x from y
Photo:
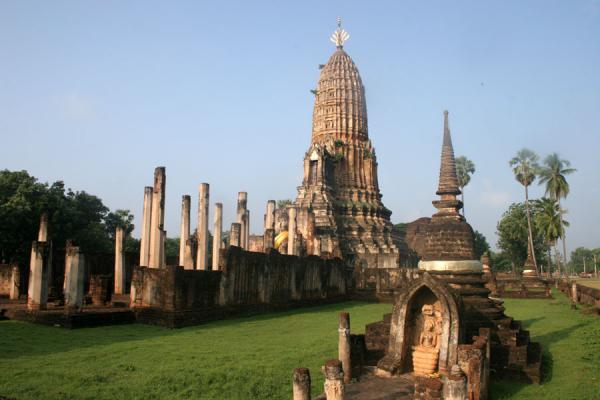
x=448 y=180
x=340 y=36
x=448 y=205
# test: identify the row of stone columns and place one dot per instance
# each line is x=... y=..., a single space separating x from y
x=40 y=272
x=152 y=243
x=186 y=243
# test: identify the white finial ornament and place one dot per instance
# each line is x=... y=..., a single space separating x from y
x=340 y=36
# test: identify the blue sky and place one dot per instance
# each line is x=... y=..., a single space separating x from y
x=98 y=93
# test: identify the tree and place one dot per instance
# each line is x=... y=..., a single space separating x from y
x=284 y=203
x=549 y=223
x=480 y=244
x=513 y=235
x=464 y=169
x=119 y=218
x=525 y=167
x=77 y=216
x=557 y=187
x=500 y=261
x=577 y=259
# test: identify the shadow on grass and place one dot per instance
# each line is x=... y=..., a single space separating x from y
x=21 y=339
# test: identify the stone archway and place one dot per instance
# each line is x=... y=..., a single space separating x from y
x=422 y=295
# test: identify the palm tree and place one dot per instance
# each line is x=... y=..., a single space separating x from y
x=548 y=222
x=464 y=169
x=557 y=187
x=525 y=167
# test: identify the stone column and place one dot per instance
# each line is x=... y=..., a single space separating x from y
x=242 y=204
x=334 y=380
x=234 y=234
x=291 y=245
x=270 y=215
x=301 y=384
x=344 y=345
x=574 y=296
x=202 y=228
x=184 y=231
x=455 y=385
x=119 y=262
x=268 y=239
x=146 y=226
x=158 y=219
x=247 y=230
x=37 y=293
x=43 y=230
x=188 y=260
x=15 y=282
x=74 y=272
x=217 y=236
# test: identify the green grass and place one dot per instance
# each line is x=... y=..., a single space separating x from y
x=252 y=358
x=571 y=351
x=591 y=282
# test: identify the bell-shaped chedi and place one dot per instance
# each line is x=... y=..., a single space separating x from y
x=340 y=184
x=445 y=241
x=446 y=313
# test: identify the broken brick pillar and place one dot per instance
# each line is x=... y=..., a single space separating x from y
x=39 y=271
x=234 y=234
x=344 y=345
x=202 y=228
x=334 y=380
x=146 y=226
x=119 y=261
x=15 y=282
x=74 y=272
x=242 y=204
x=184 y=230
x=291 y=245
x=268 y=240
x=301 y=384
x=455 y=385
x=157 y=221
x=270 y=215
x=217 y=236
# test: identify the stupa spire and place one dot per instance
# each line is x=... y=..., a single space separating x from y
x=448 y=184
x=448 y=188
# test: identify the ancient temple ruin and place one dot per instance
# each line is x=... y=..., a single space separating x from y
x=340 y=186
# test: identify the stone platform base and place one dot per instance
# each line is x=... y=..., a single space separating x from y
x=182 y=318
x=86 y=319
x=371 y=387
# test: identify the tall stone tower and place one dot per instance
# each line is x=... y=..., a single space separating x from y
x=340 y=186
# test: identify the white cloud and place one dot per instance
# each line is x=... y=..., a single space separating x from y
x=74 y=106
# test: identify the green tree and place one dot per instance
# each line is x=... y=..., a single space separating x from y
x=480 y=244
x=119 y=218
x=525 y=167
x=512 y=234
x=579 y=256
x=500 y=261
x=549 y=224
x=464 y=169
x=553 y=176
x=284 y=203
x=77 y=216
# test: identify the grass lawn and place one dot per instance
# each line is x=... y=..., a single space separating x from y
x=252 y=358
x=589 y=282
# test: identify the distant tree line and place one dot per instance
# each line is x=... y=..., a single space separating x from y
x=72 y=215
